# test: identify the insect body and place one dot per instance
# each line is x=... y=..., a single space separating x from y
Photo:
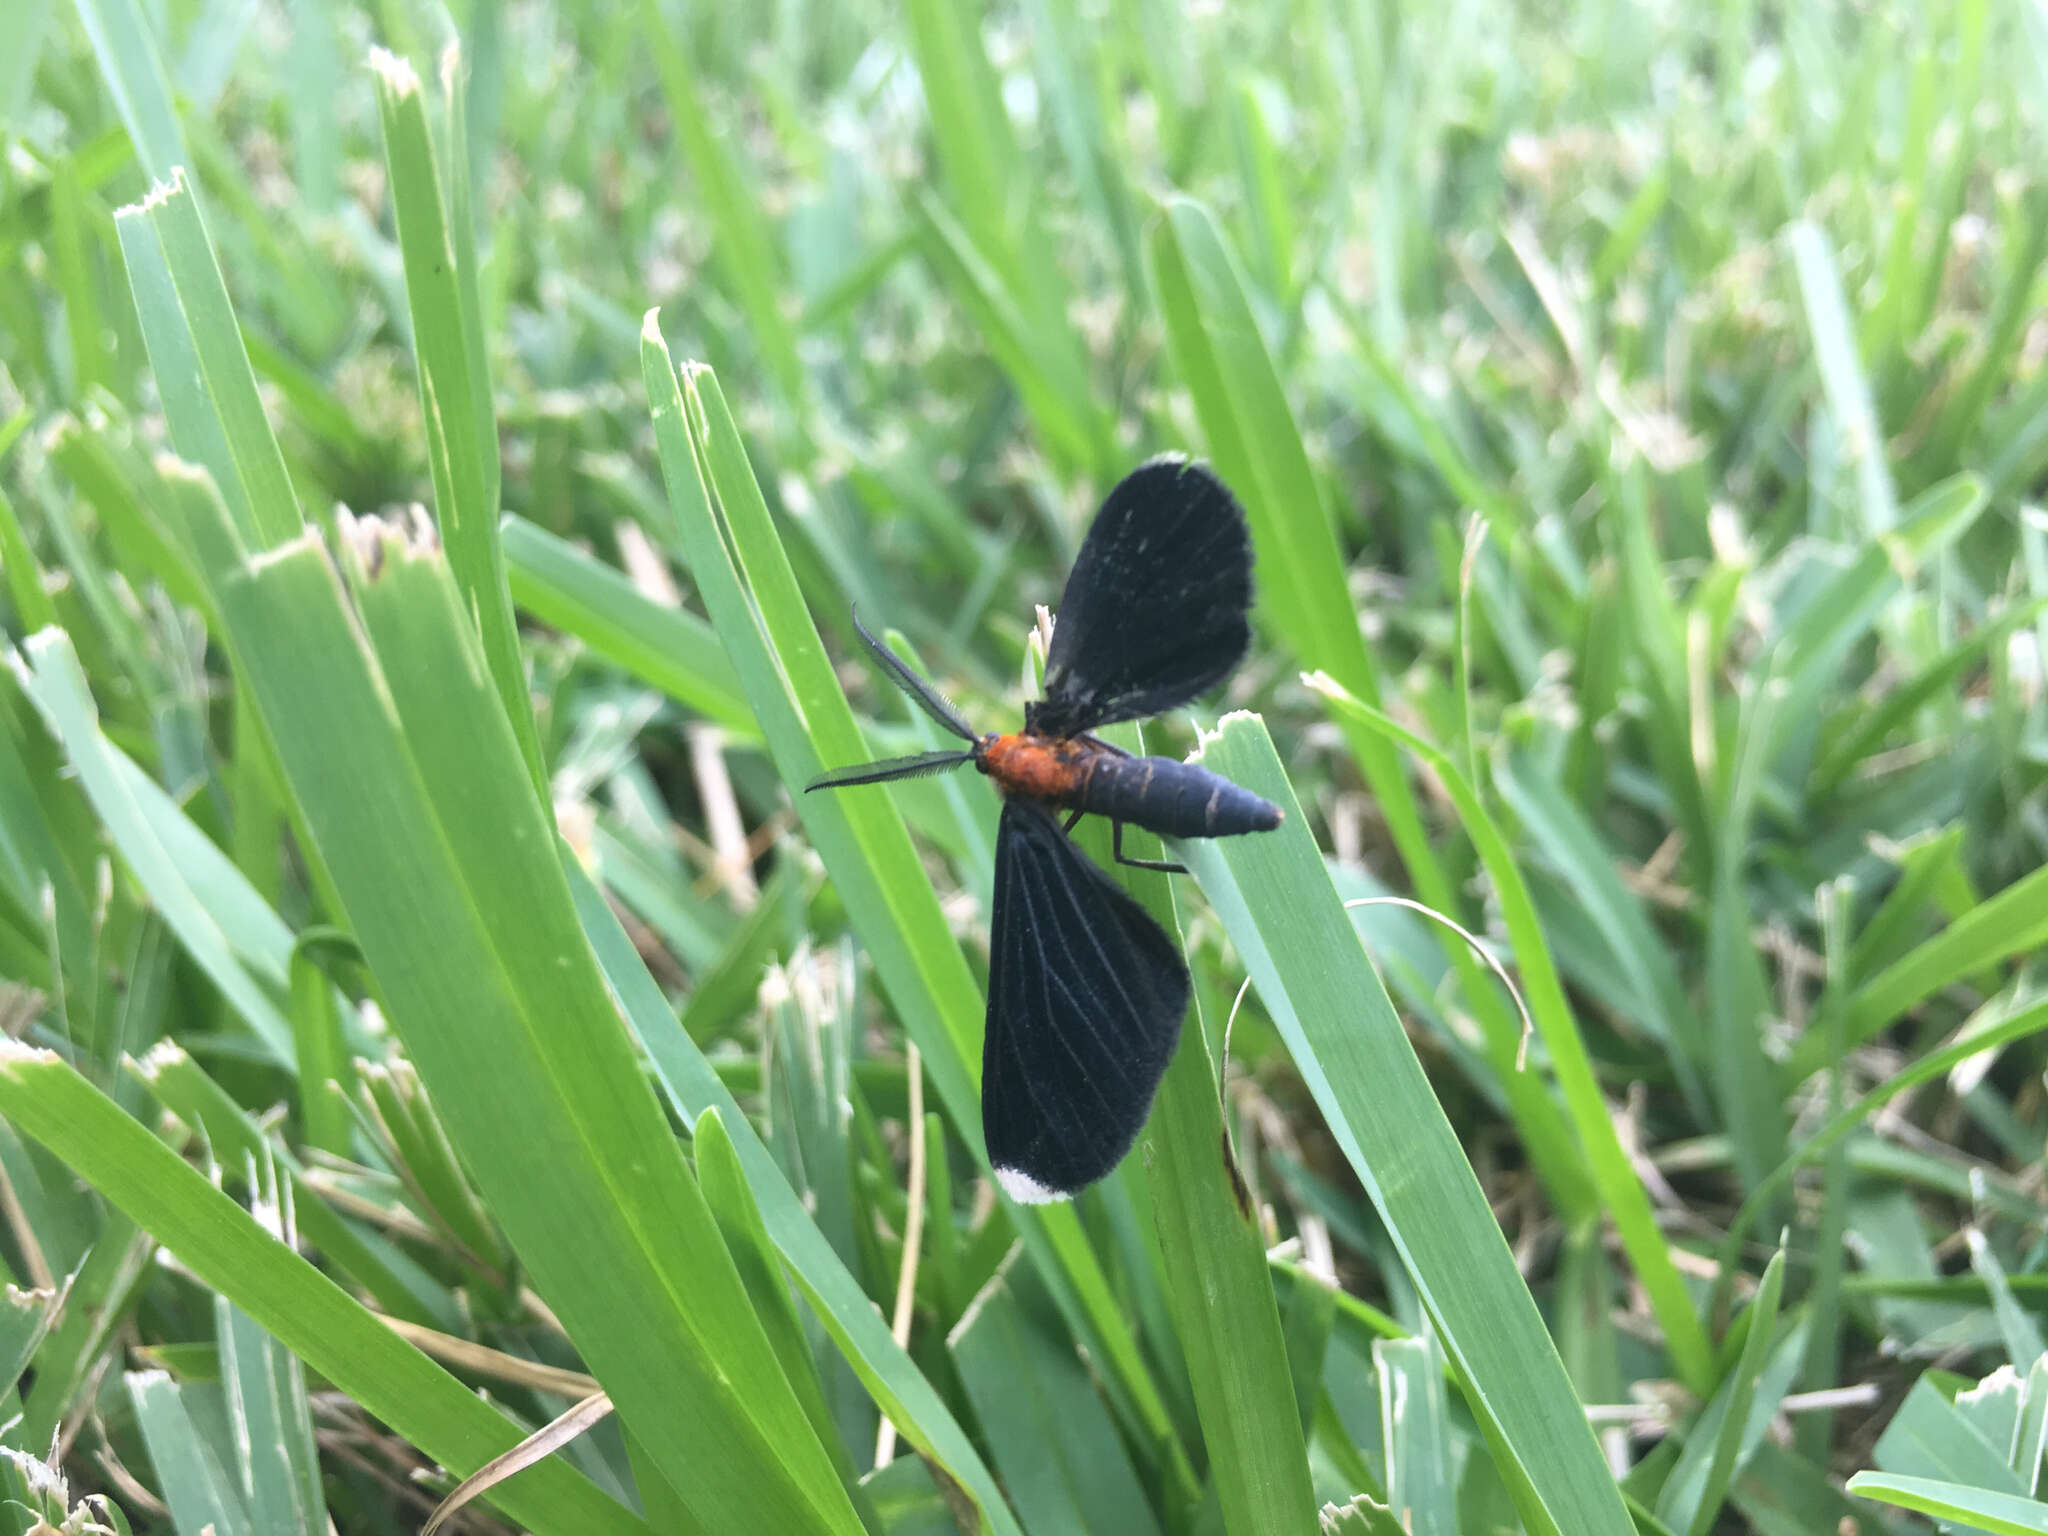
x=1160 y=794
x=1086 y=991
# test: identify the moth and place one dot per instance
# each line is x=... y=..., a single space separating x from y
x=1086 y=991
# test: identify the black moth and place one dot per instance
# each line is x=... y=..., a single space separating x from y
x=1086 y=991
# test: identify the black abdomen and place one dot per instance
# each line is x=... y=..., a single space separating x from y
x=1172 y=798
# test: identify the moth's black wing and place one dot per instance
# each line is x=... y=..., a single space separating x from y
x=1085 y=997
x=1154 y=611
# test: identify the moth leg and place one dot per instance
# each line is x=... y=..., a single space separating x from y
x=1072 y=821
x=1116 y=843
x=1107 y=746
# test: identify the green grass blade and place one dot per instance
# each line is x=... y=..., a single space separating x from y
x=723 y=1177
x=1940 y=678
x=1415 y=1436
x=752 y=597
x=33 y=609
x=666 y=648
x=1809 y=653
x=199 y=1489
x=1977 y=1509
x=969 y=124
x=1057 y=1447
x=1277 y=903
x=170 y=860
x=125 y=45
x=1742 y=1076
x=1934 y=1435
x=1621 y=1192
x=266 y=1392
x=1218 y=352
x=299 y=1307
x=195 y=349
x=1587 y=867
x=749 y=260
x=454 y=379
x=488 y=981
x=845 y=1310
x=1848 y=389
x=2022 y=1335
x=1040 y=360
x=2017 y=1026
x=1698 y=1485
x=2012 y=922
x=1218 y=1285
x=25 y=1319
x=176 y=1082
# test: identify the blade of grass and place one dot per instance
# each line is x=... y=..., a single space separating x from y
x=1621 y=1193
x=1218 y=352
x=744 y=248
x=203 y=374
x=2020 y=1024
x=1742 y=1076
x=125 y=45
x=454 y=375
x=1587 y=867
x=298 y=1306
x=1274 y=895
x=666 y=648
x=1977 y=1509
x=266 y=1394
x=1809 y=653
x=1414 y=1435
x=1058 y=1448
x=847 y=1313
x=971 y=136
x=25 y=1319
x=724 y=1179
x=408 y=779
x=1217 y=1282
x=166 y=855
x=1841 y=371
x=2012 y=922
x=1698 y=1485
x=1040 y=359
x=200 y=1491
x=178 y=1083
x=1940 y=678
x=751 y=594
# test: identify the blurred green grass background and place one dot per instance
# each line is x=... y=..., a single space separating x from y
x=1641 y=416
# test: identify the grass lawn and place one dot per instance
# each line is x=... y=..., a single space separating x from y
x=439 y=461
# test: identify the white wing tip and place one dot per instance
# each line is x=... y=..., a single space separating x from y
x=1026 y=1190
